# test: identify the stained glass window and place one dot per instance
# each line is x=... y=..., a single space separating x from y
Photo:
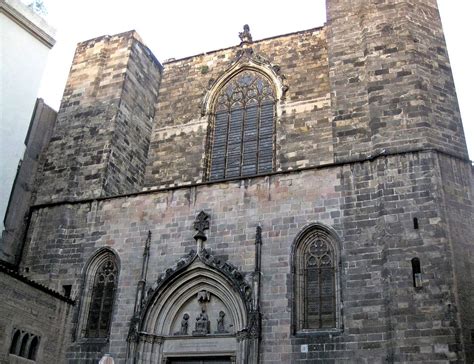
x=316 y=283
x=103 y=292
x=319 y=286
x=243 y=134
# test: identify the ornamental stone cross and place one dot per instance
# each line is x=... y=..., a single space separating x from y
x=200 y=224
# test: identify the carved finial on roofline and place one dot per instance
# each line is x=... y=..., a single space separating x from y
x=245 y=36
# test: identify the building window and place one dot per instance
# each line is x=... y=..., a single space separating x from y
x=23 y=347
x=98 y=293
x=242 y=140
x=102 y=299
x=67 y=290
x=416 y=273
x=33 y=348
x=24 y=344
x=14 y=349
x=316 y=287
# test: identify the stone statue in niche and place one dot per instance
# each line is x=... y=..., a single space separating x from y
x=203 y=326
x=184 y=325
x=220 y=324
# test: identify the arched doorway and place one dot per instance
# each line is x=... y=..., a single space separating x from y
x=199 y=312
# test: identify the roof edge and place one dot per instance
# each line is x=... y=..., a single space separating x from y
x=14 y=274
x=254 y=42
x=28 y=20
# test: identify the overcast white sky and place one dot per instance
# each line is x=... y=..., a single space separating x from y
x=180 y=28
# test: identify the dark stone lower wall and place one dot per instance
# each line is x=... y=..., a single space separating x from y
x=458 y=192
x=370 y=205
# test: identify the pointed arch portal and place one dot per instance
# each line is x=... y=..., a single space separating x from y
x=197 y=312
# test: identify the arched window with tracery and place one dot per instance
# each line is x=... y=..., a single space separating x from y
x=242 y=139
x=316 y=281
x=102 y=299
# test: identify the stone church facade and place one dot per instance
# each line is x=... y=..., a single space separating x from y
x=301 y=198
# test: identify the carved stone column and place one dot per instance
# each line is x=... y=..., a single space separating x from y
x=133 y=336
x=156 y=349
x=149 y=348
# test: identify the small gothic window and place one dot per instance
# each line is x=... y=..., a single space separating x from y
x=33 y=348
x=15 y=341
x=101 y=304
x=316 y=288
x=24 y=343
x=243 y=135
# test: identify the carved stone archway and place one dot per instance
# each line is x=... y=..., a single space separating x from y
x=201 y=307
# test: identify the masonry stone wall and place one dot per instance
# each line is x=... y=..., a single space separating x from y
x=100 y=142
x=371 y=205
x=27 y=308
x=391 y=80
x=458 y=191
x=303 y=129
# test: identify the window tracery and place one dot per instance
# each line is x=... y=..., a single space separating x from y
x=316 y=288
x=243 y=133
x=103 y=293
x=319 y=286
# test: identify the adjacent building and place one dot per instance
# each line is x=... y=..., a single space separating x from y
x=26 y=40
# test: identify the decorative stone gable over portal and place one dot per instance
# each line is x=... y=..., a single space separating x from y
x=200 y=306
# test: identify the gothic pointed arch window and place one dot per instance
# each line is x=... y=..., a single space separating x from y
x=243 y=133
x=99 y=295
x=103 y=292
x=24 y=345
x=14 y=347
x=316 y=282
x=33 y=348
